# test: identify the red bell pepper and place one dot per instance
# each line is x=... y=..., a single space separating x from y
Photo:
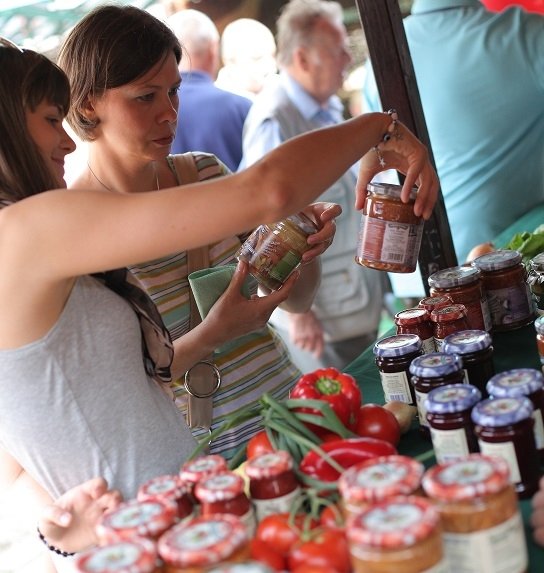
x=346 y=453
x=338 y=389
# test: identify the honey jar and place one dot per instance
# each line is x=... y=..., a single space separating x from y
x=417 y=321
x=169 y=487
x=483 y=529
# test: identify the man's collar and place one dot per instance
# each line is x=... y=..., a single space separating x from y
x=422 y=6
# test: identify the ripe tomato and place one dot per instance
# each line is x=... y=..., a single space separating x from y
x=265 y=553
x=327 y=548
x=276 y=531
x=331 y=518
x=258 y=444
x=375 y=421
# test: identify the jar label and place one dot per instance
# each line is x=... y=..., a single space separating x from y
x=428 y=345
x=538 y=429
x=449 y=445
x=396 y=387
x=282 y=504
x=499 y=549
x=442 y=567
x=438 y=343
x=509 y=305
x=486 y=314
x=249 y=521
x=507 y=452
x=422 y=411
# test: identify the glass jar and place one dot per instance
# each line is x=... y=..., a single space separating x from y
x=535 y=280
x=193 y=471
x=135 y=518
x=483 y=529
x=451 y=427
x=245 y=567
x=526 y=382
x=417 y=321
x=400 y=534
x=378 y=479
x=508 y=295
x=393 y=356
x=274 y=251
x=273 y=485
x=432 y=371
x=137 y=555
x=504 y=427
x=224 y=493
x=198 y=544
x=429 y=303
x=169 y=487
x=390 y=234
x=464 y=285
x=476 y=351
x=539 y=327
x=448 y=320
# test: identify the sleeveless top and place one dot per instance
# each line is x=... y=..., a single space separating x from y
x=261 y=364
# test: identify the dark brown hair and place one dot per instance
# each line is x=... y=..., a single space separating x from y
x=110 y=47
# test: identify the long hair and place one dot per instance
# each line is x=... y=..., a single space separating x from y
x=26 y=79
x=108 y=48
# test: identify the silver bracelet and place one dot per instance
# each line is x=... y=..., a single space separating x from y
x=392 y=131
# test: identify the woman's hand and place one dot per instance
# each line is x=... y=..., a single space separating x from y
x=324 y=215
x=405 y=153
x=69 y=523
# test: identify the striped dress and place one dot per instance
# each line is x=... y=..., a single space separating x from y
x=261 y=364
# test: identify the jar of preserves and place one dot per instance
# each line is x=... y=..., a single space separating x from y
x=200 y=543
x=429 y=303
x=416 y=321
x=193 y=471
x=273 y=485
x=169 y=487
x=400 y=534
x=274 y=251
x=539 y=327
x=390 y=234
x=504 y=427
x=393 y=356
x=135 y=518
x=478 y=506
x=508 y=296
x=136 y=555
x=523 y=382
x=535 y=280
x=224 y=493
x=378 y=479
x=463 y=284
x=451 y=427
x=432 y=371
x=245 y=567
x=448 y=320
x=476 y=351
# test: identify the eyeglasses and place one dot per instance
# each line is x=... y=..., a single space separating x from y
x=5 y=43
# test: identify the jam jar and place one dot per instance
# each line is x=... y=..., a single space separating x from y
x=539 y=327
x=483 y=529
x=135 y=518
x=523 y=382
x=508 y=296
x=390 y=233
x=448 y=415
x=274 y=251
x=168 y=487
x=463 y=284
x=429 y=303
x=200 y=543
x=137 y=555
x=447 y=320
x=193 y=471
x=416 y=321
x=535 y=280
x=245 y=567
x=476 y=351
x=378 y=479
x=504 y=427
x=393 y=356
x=273 y=485
x=432 y=371
x=398 y=535
x=224 y=493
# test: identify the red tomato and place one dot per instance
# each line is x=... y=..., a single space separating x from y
x=276 y=531
x=375 y=421
x=258 y=444
x=332 y=518
x=327 y=548
x=265 y=553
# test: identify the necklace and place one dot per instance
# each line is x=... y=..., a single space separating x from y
x=110 y=189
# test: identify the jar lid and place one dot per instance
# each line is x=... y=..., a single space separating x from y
x=435 y=364
x=269 y=465
x=219 y=487
x=497 y=260
x=515 y=382
x=380 y=478
x=472 y=476
x=452 y=398
x=202 y=541
x=147 y=518
x=136 y=555
x=245 y=567
x=397 y=345
x=411 y=316
x=431 y=302
x=389 y=190
x=539 y=325
x=166 y=486
x=304 y=222
x=449 y=313
x=395 y=522
x=453 y=276
x=498 y=412
x=194 y=470
x=467 y=341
